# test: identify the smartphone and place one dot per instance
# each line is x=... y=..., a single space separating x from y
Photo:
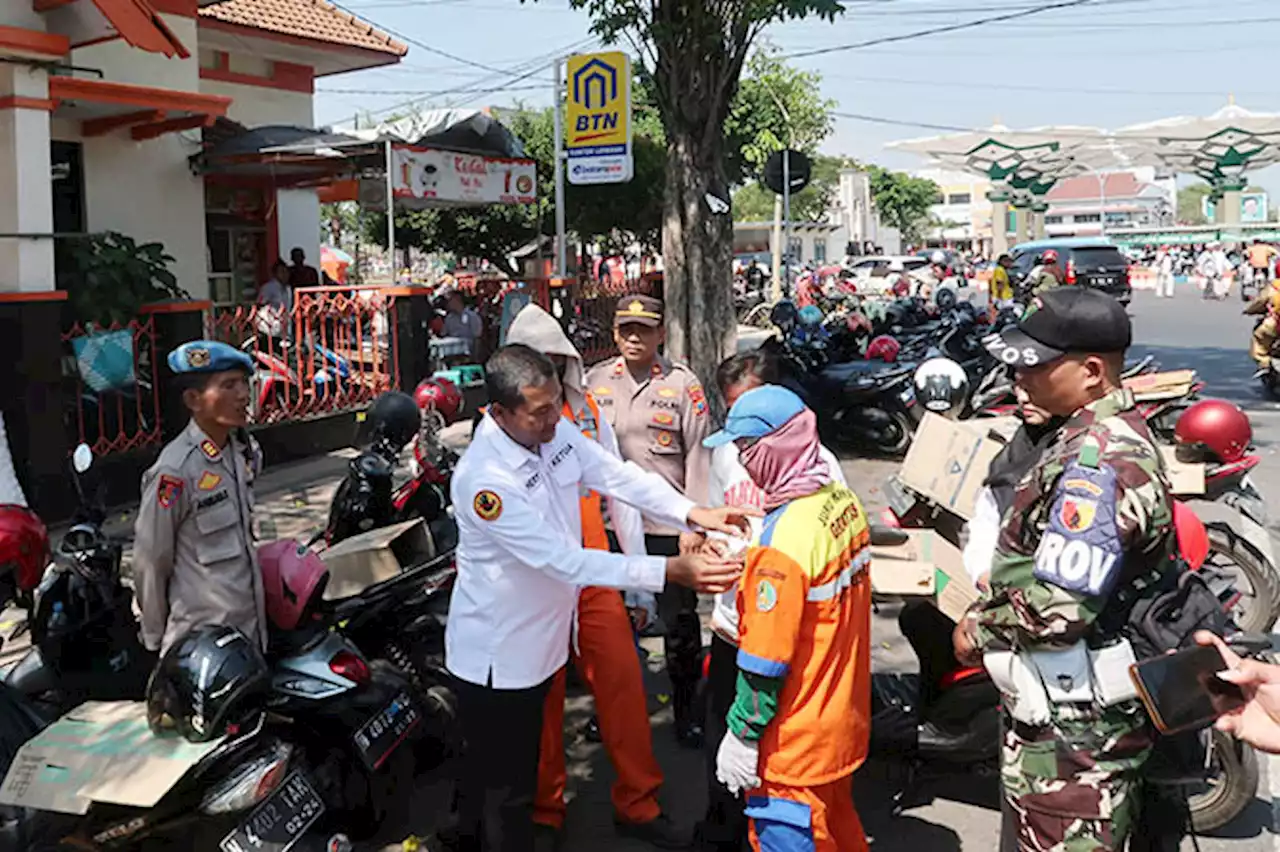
x=1182 y=691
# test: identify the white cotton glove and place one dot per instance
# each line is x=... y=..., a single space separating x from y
x=738 y=764
x=642 y=607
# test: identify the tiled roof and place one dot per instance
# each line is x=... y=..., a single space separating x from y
x=1085 y=187
x=313 y=19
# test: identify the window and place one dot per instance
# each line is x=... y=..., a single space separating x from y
x=819 y=250
x=1053 y=220
x=1087 y=217
x=959 y=198
x=795 y=249
x=939 y=198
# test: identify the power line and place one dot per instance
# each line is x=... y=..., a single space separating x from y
x=1016 y=87
x=425 y=93
x=948 y=28
x=428 y=48
x=950 y=128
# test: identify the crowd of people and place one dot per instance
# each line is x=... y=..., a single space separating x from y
x=592 y=502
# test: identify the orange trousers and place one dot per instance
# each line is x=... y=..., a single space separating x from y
x=822 y=818
x=608 y=662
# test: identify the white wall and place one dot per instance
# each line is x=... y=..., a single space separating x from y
x=122 y=63
x=298 y=217
x=146 y=190
x=254 y=106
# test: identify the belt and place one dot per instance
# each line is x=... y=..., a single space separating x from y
x=827 y=591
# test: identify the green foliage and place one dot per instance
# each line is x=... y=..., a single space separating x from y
x=109 y=276
x=1190 y=204
x=902 y=201
x=776 y=107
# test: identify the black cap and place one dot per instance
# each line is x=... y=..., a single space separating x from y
x=1061 y=320
x=642 y=310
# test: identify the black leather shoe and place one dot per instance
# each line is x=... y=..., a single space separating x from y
x=659 y=831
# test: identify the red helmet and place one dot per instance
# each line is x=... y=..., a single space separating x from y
x=24 y=547
x=885 y=348
x=441 y=394
x=1193 y=538
x=1049 y=256
x=1213 y=430
x=293 y=578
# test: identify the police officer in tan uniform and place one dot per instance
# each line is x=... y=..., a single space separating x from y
x=659 y=412
x=194 y=554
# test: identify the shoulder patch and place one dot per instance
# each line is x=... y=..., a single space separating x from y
x=1081 y=550
x=618 y=367
x=487 y=505
x=210 y=450
x=208 y=481
x=168 y=491
x=698 y=398
x=766 y=596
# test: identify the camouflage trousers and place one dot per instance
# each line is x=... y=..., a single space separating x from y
x=1073 y=784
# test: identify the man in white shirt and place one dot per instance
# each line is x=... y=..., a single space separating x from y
x=521 y=563
x=725 y=826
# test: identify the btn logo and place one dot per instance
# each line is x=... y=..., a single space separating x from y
x=487 y=505
x=1075 y=564
x=599 y=91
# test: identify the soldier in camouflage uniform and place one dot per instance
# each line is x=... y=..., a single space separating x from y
x=1094 y=517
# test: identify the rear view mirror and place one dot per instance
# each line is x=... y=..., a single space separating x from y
x=82 y=458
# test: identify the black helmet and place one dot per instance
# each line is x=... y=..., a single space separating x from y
x=785 y=315
x=206 y=681
x=394 y=417
x=945 y=298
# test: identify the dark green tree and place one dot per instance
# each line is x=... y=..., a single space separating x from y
x=694 y=51
x=902 y=201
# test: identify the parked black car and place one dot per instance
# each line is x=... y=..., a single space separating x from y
x=1086 y=262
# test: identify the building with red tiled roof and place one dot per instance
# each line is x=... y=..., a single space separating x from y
x=120 y=138
x=1129 y=199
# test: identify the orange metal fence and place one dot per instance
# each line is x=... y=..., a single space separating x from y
x=113 y=416
x=334 y=350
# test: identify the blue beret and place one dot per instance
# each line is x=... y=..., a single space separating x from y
x=208 y=356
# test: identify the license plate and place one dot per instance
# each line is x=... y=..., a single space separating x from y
x=276 y=824
x=377 y=738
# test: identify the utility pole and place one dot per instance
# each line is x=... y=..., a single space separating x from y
x=557 y=107
x=391 y=216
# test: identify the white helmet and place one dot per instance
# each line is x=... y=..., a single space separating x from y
x=942 y=386
x=896 y=266
x=939 y=257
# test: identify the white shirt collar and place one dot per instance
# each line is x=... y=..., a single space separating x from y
x=503 y=446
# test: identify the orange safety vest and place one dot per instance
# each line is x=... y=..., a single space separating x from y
x=594 y=536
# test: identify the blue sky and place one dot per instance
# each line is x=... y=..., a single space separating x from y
x=1109 y=63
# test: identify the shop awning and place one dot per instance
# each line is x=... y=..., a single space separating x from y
x=284 y=153
x=102 y=107
x=135 y=21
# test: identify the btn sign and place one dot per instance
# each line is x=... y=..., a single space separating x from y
x=598 y=118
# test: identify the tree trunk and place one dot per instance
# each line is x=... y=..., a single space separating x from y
x=697 y=254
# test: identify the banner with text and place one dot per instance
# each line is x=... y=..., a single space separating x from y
x=598 y=118
x=448 y=177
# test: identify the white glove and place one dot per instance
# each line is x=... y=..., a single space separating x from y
x=645 y=601
x=737 y=764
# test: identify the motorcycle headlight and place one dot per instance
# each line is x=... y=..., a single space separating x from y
x=249 y=782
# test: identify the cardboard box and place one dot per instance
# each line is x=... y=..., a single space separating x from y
x=102 y=751
x=1168 y=385
x=927 y=564
x=375 y=556
x=949 y=459
x=1184 y=479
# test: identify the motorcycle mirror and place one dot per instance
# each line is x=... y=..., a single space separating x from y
x=82 y=458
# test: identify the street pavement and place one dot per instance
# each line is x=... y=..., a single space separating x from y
x=959 y=813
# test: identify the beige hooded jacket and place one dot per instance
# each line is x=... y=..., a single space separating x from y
x=538 y=330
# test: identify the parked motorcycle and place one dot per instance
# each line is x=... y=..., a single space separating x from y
x=84 y=637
